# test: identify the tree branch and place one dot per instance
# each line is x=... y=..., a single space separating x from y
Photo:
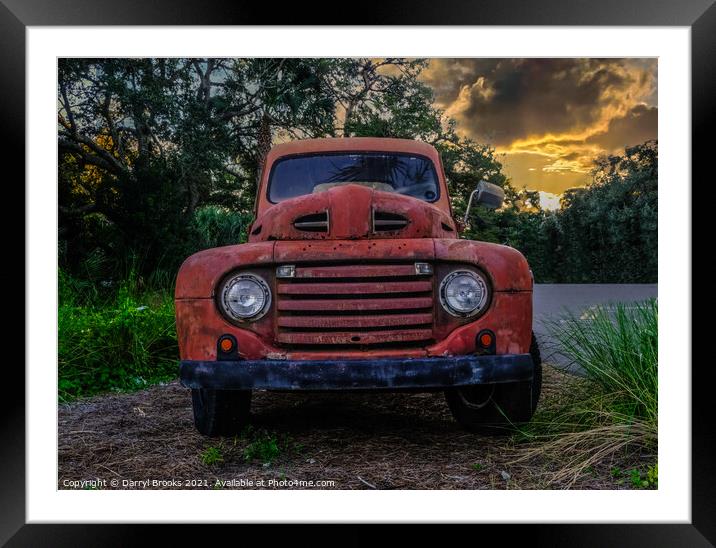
x=68 y=110
x=100 y=158
x=116 y=141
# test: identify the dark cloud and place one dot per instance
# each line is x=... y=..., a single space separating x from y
x=639 y=125
x=550 y=117
x=508 y=99
x=447 y=76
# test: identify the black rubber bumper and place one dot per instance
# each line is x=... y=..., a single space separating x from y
x=356 y=374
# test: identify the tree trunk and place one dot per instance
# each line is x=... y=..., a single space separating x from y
x=264 y=144
x=347 y=117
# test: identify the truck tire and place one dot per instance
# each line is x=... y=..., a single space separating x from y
x=220 y=412
x=495 y=409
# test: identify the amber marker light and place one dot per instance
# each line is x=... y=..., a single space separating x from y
x=486 y=339
x=226 y=344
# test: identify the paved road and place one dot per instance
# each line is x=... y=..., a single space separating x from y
x=551 y=300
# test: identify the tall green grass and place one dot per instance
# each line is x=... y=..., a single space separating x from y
x=119 y=337
x=617 y=348
x=613 y=410
x=216 y=226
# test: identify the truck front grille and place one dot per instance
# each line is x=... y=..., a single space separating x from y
x=354 y=305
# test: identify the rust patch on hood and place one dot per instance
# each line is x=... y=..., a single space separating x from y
x=351 y=209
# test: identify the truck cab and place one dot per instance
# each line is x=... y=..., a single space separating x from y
x=354 y=278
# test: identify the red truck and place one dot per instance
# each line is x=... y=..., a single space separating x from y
x=354 y=278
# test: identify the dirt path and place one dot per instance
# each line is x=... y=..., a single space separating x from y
x=356 y=441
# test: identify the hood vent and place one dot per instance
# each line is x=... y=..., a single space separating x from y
x=383 y=221
x=315 y=222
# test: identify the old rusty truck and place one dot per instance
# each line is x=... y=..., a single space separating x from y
x=354 y=277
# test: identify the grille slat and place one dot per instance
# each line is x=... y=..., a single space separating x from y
x=332 y=305
x=353 y=288
x=355 y=322
x=355 y=337
x=348 y=305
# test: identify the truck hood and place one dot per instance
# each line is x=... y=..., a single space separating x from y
x=351 y=212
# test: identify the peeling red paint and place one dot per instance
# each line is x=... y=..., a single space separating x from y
x=350 y=210
x=201 y=272
x=421 y=249
x=506 y=266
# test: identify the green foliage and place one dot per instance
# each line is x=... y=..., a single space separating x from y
x=215 y=226
x=652 y=476
x=265 y=446
x=638 y=479
x=466 y=163
x=213 y=454
x=644 y=480
x=264 y=450
x=117 y=339
x=389 y=100
x=613 y=221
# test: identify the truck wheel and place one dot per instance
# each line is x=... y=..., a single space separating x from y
x=495 y=409
x=220 y=412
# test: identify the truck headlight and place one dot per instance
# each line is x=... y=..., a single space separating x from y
x=245 y=297
x=463 y=293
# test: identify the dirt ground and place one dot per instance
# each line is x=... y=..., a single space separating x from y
x=355 y=441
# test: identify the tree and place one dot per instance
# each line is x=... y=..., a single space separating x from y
x=145 y=143
x=608 y=230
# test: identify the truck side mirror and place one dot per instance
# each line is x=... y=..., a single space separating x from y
x=486 y=194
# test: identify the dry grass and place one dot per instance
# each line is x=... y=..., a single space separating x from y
x=576 y=454
x=359 y=441
x=576 y=430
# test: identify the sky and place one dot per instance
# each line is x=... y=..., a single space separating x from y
x=549 y=118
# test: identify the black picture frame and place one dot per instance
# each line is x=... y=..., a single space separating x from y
x=699 y=15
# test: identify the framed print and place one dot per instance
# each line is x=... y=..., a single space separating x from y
x=401 y=269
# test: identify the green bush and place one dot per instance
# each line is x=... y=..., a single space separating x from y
x=117 y=339
x=217 y=226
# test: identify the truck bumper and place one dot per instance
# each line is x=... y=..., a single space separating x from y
x=394 y=373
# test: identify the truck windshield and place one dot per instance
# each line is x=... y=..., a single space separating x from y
x=390 y=172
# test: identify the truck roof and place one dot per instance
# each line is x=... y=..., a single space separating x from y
x=339 y=144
